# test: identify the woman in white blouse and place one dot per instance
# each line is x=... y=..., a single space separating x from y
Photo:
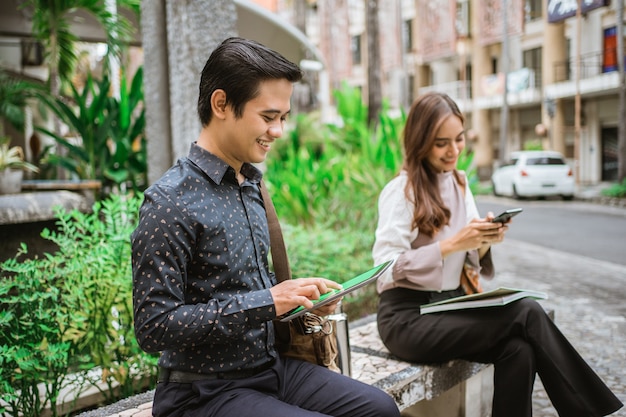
x=429 y=224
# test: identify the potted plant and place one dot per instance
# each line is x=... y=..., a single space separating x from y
x=12 y=167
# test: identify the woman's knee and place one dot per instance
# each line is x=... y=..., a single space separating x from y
x=532 y=305
x=519 y=351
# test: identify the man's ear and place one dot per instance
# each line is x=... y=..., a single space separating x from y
x=218 y=103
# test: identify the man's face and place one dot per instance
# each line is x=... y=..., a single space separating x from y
x=249 y=138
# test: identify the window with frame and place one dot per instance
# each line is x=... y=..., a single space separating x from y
x=407 y=35
x=355 y=47
x=531 y=59
x=533 y=10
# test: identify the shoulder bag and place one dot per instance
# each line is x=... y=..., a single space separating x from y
x=309 y=337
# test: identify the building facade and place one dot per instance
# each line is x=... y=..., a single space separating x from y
x=562 y=83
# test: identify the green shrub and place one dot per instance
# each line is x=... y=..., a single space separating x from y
x=333 y=177
x=71 y=311
x=338 y=255
x=616 y=190
x=533 y=145
x=111 y=145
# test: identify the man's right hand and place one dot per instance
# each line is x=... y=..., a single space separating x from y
x=294 y=293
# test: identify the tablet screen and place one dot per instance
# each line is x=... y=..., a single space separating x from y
x=348 y=286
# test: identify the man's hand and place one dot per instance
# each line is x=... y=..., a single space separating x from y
x=293 y=293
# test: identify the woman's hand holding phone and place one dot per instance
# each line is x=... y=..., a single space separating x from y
x=506 y=215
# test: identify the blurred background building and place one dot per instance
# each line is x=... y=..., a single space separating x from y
x=551 y=82
x=549 y=57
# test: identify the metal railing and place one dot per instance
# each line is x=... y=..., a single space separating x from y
x=591 y=65
x=457 y=90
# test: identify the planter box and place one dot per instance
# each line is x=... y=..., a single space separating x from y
x=11 y=181
x=88 y=188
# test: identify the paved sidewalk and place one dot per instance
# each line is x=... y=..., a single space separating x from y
x=588 y=298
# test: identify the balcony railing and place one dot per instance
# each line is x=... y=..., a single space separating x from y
x=591 y=65
x=457 y=90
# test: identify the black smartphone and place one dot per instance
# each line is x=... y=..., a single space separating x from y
x=506 y=215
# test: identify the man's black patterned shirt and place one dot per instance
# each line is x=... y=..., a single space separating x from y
x=200 y=271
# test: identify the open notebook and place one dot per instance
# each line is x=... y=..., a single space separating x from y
x=498 y=297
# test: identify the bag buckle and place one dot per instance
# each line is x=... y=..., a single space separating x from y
x=309 y=324
x=312 y=329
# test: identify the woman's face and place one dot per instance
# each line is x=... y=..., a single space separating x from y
x=449 y=142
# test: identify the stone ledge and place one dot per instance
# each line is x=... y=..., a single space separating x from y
x=407 y=383
x=38 y=206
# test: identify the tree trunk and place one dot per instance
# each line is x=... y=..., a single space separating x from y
x=621 y=130
x=374 y=88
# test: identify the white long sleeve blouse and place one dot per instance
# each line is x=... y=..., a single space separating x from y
x=418 y=262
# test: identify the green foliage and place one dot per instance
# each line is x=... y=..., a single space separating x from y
x=127 y=162
x=616 y=190
x=14 y=96
x=334 y=178
x=12 y=157
x=51 y=25
x=533 y=145
x=466 y=163
x=71 y=311
x=332 y=175
x=110 y=144
x=339 y=255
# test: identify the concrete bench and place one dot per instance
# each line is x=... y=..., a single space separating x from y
x=435 y=390
x=451 y=388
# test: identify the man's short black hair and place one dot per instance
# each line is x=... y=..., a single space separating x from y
x=238 y=66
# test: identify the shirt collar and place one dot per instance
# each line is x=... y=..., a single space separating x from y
x=216 y=169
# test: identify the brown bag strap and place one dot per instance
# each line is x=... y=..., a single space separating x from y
x=277 y=243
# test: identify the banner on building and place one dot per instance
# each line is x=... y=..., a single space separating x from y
x=559 y=10
x=519 y=80
x=492 y=85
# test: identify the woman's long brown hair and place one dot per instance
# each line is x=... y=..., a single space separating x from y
x=426 y=116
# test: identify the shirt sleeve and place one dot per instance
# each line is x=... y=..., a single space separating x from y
x=163 y=247
x=422 y=266
x=470 y=204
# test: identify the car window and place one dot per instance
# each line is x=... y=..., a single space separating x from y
x=510 y=162
x=544 y=160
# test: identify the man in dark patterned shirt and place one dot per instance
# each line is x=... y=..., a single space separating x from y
x=202 y=291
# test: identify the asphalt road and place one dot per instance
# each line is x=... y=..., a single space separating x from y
x=575 y=227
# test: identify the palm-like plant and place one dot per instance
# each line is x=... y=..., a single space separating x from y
x=12 y=157
x=111 y=144
x=14 y=95
x=52 y=27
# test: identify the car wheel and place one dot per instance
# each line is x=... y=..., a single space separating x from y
x=516 y=194
x=495 y=191
x=567 y=197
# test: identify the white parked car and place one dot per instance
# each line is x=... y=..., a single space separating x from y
x=534 y=174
